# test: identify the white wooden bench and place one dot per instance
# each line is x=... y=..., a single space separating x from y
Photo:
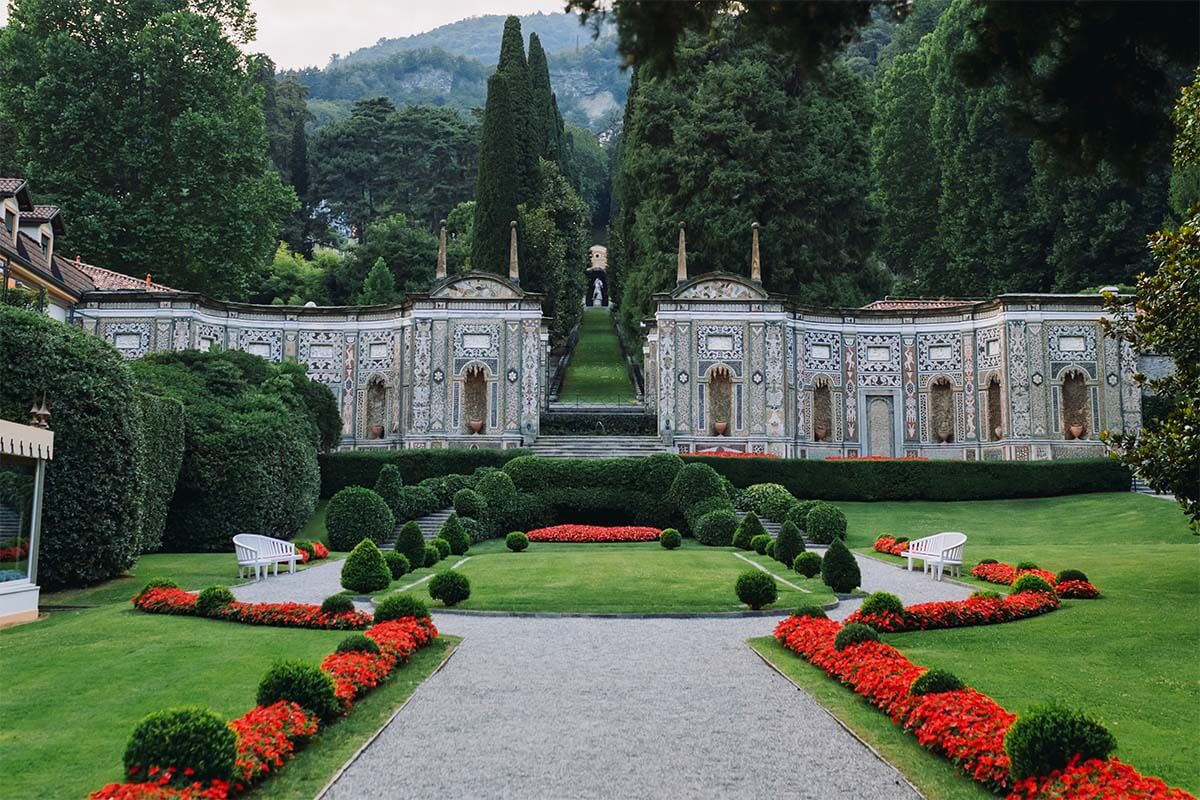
x=938 y=551
x=260 y=553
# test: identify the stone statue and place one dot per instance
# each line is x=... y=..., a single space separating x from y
x=597 y=294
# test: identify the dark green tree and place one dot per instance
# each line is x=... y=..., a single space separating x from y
x=498 y=188
x=379 y=287
x=545 y=123
x=460 y=236
x=513 y=69
x=554 y=249
x=408 y=249
x=590 y=176
x=347 y=170
x=432 y=156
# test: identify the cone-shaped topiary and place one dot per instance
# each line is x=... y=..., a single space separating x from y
x=771 y=548
x=825 y=523
x=756 y=589
x=788 y=544
x=443 y=546
x=189 y=738
x=839 y=570
x=432 y=555
x=389 y=485
x=411 y=542
x=747 y=529
x=454 y=533
x=798 y=513
x=365 y=569
x=355 y=514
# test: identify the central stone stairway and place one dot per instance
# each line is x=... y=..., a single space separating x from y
x=430 y=525
x=597 y=446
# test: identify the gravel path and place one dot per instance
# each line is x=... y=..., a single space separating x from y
x=311 y=585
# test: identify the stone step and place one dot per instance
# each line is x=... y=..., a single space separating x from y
x=597 y=446
x=771 y=527
x=429 y=524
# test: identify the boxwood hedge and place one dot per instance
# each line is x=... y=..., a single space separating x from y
x=361 y=467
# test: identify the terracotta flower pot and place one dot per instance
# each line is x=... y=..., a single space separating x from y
x=1076 y=431
x=376 y=431
x=476 y=425
x=820 y=432
x=720 y=427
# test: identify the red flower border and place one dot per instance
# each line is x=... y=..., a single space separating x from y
x=594 y=533
x=959 y=613
x=166 y=600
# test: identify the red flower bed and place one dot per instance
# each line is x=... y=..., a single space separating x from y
x=1095 y=779
x=1005 y=574
x=890 y=545
x=165 y=600
x=1077 y=590
x=594 y=533
x=159 y=790
x=267 y=737
x=959 y=613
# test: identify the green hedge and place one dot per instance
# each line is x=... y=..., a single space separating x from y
x=582 y=424
x=361 y=467
x=161 y=453
x=925 y=480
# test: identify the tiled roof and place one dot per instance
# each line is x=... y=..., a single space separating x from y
x=40 y=213
x=10 y=185
x=28 y=251
x=105 y=280
x=914 y=305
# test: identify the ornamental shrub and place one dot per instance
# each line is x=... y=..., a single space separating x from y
x=935 y=681
x=442 y=545
x=810 y=611
x=756 y=495
x=469 y=503
x=825 y=523
x=670 y=539
x=807 y=564
x=777 y=504
x=693 y=484
x=397 y=606
x=516 y=541
x=390 y=486
x=1070 y=575
x=361 y=467
x=475 y=530
x=988 y=561
x=450 y=587
x=432 y=554
x=1026 y=565
x=337 y=604
x=158 y=583
x=500 y=495
x=771 y=549
x=716 y=528
x=416 y=502
x=397 y=563
x=839 y=570
x=357 y=643
x=798 y=514
x=988 y=593
x=212 y=599
x=1046 y=738
x=411 y=542
x=161 y=456
x=454 y=535
x=1031 y=583
x=788 y=544
x=355 y=514
x=878 y=602
x=854 y=633
x=759 y=543
x=365 y=569
x=303 y=684
x=756 y=589
x=747 y=528
x=188 y=738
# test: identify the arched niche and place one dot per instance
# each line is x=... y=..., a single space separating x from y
x=941 y=411
x=475 y=399
x=377 y=405
x=822 y=411
x=995 y=414
x=720 y=400
x=1074 y=401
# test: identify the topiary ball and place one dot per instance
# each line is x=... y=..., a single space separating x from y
x=476 y=531
x=1023 y=566
x=759 y=543
x=810 y=611
x=670 y=539
x=935 y=681
x=516 y=541
x=807 y=564
x=716 y=528
x=397 y=606
x=825 y=523
x=469 y=503
x=798 y=514
x=337 y=604
x=354 y=514
x=450 y=587
x=1070 y=575
x=301 y=683
x=854 y=633
x=1047 y=738
x=839 y=569
x=1031 y=583
x=748 y=528
x=188 y=738
x=693 y=484
x=879 y=602
x=364 y=570
x=454 y=535
x=411 y=542
x=390 y=486
x=442 y=545
x=397 y=563
x=756 y=589
x=357 y=643
x=432 y=554
x=212 y=600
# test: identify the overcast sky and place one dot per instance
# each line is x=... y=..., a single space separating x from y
x=301 y=33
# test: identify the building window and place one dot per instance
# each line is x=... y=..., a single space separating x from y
x=45 y=246
x=941 y=411
x=10 y=221
x=995 y=415
x=822 y=412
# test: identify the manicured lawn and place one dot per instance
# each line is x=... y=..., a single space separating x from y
x=614 y=578
x=189 y=570
x=597 y=371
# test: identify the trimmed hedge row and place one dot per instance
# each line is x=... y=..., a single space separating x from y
x=361 y=467
x=581 y=424
x=924 y=480
x=161 y=454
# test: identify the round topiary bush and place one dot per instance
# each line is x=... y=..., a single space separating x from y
x=355 y=514
x=810 y=611
x=748 y=528
x=390 y=486
x=500 y=494
x=189 y=738
x=212 y=599
x=364 y=570
x=798 y=513
x=1023 y=566
x=415 y=502
x=432 y=554
x=695 y=483
x=716 y=528
x=670 y=539
x=357 y=643
x=411 y=542
x=396 y=606
x=759 y=543
x=756 y=496
x=469 y=503
x=303 y=684
x=476 y=531
x=771 y=549
x=789 y=544
x=450 y=587
x=397 y=564
x=777 y=504
x=1047 y=738
x=1031 y=583
x=825 y=523
x=839 y=570
x=807 y=564
x=442 y=545
x=516 y=541
x=935 y=681
x=337 y=604
x=452 y=531
x=854 y=633
x=1070 y=575
x=879 y=602
x=756 y=589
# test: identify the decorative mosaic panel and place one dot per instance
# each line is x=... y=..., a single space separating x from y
x=1041 y=415
x=666 y=371
x=1018 y=380
x=878 y=357
x=511 y=391
x=1071 y=343
x=910 y=389
x=773 y=369
x=968 y=392
x=726 y=340
x=827 y=344
x=322 y=352
x=209 y=336
x=989 y=343
x=267 y=344
x=131 y=338
x=348 y=367
x=476 y=340
x=683 y=397
x=376 y=351
x=530 y=368
x=437 y=398
x=1112 y=380
x=183 y=334
x=940 y=352
x=721 y=290
x=162 y=334
x=851 y=391
x=1131 y=393
x=422 y=373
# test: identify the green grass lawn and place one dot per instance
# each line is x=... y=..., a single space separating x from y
x=1130 y=658
x=614 y=578
x=597 y=371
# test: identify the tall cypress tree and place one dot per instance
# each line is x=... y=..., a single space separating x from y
x=514 y=70
x=497 y=189
x=543 y=108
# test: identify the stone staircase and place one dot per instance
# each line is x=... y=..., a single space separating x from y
x=597 y=446
x=429 y=524
x=771 y=527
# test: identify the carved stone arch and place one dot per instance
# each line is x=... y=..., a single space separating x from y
x=477 y=381
x=993 y=387
x=1074 y=401
x=822 y=405
x=719 y=380
x=941 y=408
x=376 y=395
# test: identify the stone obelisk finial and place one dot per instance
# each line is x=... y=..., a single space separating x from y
x=681 y=259
x=514 y=268
x=755 y=263
x=441 y=262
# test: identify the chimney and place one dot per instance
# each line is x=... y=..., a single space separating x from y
x=755 y=263
x=681 y=259
x=441 y=262
x=514 y=269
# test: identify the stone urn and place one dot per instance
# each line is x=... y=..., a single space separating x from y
x=999 y=432
x=376 y=431
x=943 y=437
x=820 y=432
x=720 y=427
x=1076 y=431
x=476 y=425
